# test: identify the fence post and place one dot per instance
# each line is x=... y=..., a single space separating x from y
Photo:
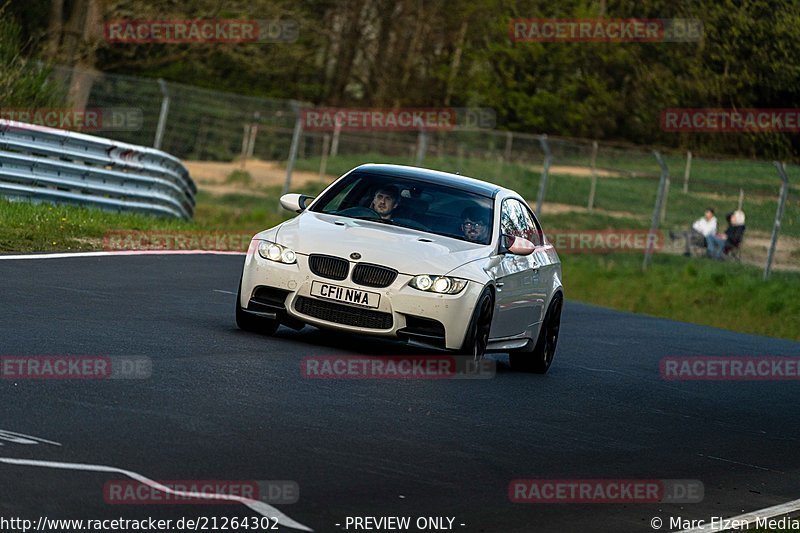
x=548 y=156
x=323 y=162
x=200 y=139
x=298 y=131
x=663 y=214
x=509 y=143
x=687 y=171
x=337 y=129
x=249 y=140
x=251 y=145
x=593 y=188
x=162 y=116
x=245 y=141
x=422 y=147
x=778 y=215
x=651 y=235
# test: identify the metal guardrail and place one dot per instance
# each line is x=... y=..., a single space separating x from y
x=46 y=164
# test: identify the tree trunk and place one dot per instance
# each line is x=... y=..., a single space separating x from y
x=378 y=71
x=82 y=34
x=456 y=63
x=411 y=54
x=349 y=39
x=55 y=25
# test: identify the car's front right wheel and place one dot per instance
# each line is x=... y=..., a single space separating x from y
x=249 y=322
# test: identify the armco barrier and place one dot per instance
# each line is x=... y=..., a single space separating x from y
x=52 y=165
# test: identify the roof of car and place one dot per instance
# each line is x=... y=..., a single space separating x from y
x=433 y=176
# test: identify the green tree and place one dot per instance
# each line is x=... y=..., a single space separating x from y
x=25 y=81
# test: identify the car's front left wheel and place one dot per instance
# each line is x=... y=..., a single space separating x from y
x=540 y=358
x=249 y=322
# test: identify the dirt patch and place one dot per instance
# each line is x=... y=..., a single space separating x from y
x=734 y=198
x=583 y=172
x=756 y=247
x=270 y=173
x=551 y=208
x=212 y=176
x=230 y=188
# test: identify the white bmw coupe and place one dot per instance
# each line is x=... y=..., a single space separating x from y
x=429 y=257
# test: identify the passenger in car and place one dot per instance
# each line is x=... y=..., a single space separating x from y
x=475 y=225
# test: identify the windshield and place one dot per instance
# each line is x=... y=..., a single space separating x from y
x=410 y=203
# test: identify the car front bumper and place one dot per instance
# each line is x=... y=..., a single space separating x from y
x=439 y=320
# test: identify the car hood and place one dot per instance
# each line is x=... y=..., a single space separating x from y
x=406 y=250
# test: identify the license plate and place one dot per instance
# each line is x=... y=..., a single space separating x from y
x=345 y=294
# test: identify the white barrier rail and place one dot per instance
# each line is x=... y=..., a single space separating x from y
x=47 y=164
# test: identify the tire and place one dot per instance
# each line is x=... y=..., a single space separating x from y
x=540 y=358
x=477 y=337
x=249 y=322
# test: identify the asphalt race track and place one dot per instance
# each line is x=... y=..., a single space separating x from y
x=223 y=404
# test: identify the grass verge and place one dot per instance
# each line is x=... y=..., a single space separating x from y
x=724 y=295
x=26 y=227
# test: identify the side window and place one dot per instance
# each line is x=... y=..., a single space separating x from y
x=508 y=222
x=535 y=228
x=539 y=232
x=517 y=220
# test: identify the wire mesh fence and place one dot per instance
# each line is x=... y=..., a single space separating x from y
x=616 y=184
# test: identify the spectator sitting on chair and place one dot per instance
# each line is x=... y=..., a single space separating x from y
x=724 y=242
x=702 y=228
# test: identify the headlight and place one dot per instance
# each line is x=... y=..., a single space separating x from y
x=438 y=284
x=276 y=252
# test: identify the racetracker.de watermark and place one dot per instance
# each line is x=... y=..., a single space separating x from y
x=396 y=367
x=67 y=367
x=402 y=119
x=598 y=30
x=733 y=368
x=176 y=31
x=718 y=120
x=199 y=492
x=87 y=119
x=604 y=241
x=176 y=240
x=605 y=491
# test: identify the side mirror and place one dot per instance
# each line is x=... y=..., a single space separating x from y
x=516 y=245
x=295 y=202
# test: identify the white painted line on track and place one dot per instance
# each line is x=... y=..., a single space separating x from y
x=257 y=506
x=748 y=518
x=224 y=292
x=739 y=463
x=21 y=438
x=124 y=252
x=597 y=369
